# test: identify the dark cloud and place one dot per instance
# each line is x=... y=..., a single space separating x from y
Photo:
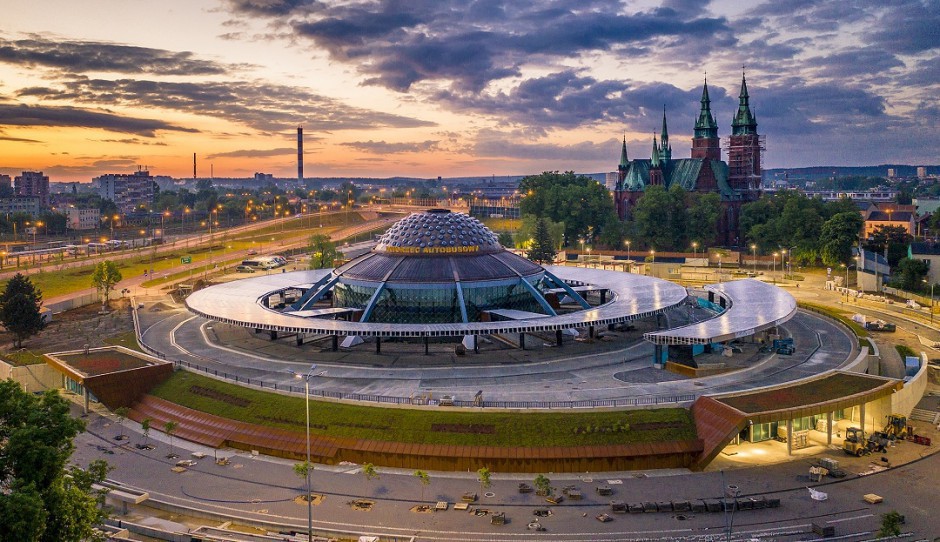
x=567 y=100
x=260 y=105
x=37 y=115
x=911 y=27
x=397 y=45
x=272 y=7
x=382 y=147
x=134 y=141
x=807 y=109
x=867 y=61
x=18 y=139
x=255 y=153
x=96 y=56
x=493 y=144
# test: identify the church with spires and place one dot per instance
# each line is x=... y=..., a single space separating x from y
x=736 y=181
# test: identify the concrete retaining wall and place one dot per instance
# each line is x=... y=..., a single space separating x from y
x=33 y=378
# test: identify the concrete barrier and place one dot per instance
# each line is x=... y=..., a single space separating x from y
x=34 y=378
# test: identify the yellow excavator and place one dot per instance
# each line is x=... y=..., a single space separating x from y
x=897 y=427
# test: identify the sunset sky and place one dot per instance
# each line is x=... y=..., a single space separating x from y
x=455 y=88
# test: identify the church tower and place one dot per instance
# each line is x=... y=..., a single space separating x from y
x=744 y=148
x=622 y=169
x=665 y=149
x=705 y=142
x=656 y=166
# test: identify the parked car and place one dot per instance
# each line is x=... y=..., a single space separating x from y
x=252 y=252
x=245 y=269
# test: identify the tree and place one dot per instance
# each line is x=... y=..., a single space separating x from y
x=648 y=217
x=910 y=273
x=104 y=278
x=425 y=480
x=302 y=469
x=20 y=304
x=484 y=476
x=42 y=501
x=704 y=212
x=837 y=237
x=368 y=470
x=323 y=251
x=543 y=485
x=542 y=249
x=580 y=202
x=505 y=239
x=891 y=524
x=145 y=427
x=121 y=413
x=893 y=238
x=169 y=428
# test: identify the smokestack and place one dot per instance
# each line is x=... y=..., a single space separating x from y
x=300 y=154
x=194 y=166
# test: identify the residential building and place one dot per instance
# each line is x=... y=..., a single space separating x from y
x=82 y=219
x=928 y=253
x=878 y=218
x=28 y=205
x=129 y=192
x=32 y=184
x=6 y=182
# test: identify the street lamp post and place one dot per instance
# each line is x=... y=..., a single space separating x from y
x=931 y=300
x=845 y=286
x=306 y=378
x=694 y=249
x=629 y=265
x=775 y=268
x=754 y=259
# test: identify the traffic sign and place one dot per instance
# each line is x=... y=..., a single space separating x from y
x=186 y=259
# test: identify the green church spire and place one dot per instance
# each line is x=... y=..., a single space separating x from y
x=705 y=126
x=654 y=159
x=744 y=122
x=665 y=149
x=624 y=161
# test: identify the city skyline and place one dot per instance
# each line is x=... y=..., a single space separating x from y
x=454 y=88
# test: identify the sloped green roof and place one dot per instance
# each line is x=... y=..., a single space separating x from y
x=683 y=171
x=638 y=176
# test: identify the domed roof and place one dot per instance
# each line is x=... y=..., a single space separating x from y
x=438 y=246
x=438 y=231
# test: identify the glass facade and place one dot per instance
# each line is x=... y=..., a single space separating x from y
x=434 y=303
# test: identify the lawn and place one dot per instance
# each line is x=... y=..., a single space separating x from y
x=22 y=358
x=426 y=426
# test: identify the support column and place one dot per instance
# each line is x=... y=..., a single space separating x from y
x=426 y=346
x=85 y=393
x=335 y=343
x=829 y=428
x=558 y=337
x=300 y=339
x=273 y=335
x=522 y=341
x=861 y=419
x=789 y=437
x=591 y=331
x=657 y=356
x=603 y=296
x=476 y=344
x=378 y=345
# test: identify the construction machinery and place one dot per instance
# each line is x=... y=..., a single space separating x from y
x=897 y=427
x=854 y=443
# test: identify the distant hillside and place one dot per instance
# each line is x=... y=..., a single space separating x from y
x=825 y=172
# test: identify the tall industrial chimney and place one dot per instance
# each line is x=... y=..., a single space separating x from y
x=300 y=154
x=194 y=166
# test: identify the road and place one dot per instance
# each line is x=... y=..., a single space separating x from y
x=264 y=489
